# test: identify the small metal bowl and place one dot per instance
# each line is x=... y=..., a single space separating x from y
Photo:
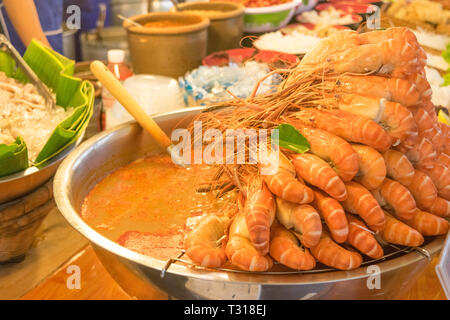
x=139 y=275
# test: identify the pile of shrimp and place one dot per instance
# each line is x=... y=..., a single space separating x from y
x=377 y=171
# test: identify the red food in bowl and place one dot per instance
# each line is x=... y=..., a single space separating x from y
x=240 y=55
x=264 y=3
x=353 y=1
x=260 y=3
x=347 y=7
x=311 y=26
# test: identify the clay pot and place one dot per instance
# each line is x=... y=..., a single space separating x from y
x=171 y=50
x=227 y=22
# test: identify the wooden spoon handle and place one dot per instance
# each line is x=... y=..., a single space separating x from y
x=110 y=82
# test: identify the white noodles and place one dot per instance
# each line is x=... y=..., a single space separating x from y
x=23 y=113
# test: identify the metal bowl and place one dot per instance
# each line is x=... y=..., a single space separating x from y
x=114 y=148
x=18 y=184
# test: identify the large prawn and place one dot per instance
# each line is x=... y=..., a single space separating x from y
x=203 y=244
x=333 y=255
x=443 y=159
x=392 y=89
x=445 y=129
x=286 y=249
x=395 y=118
x=440 y=175
x=396 y=33
x=336 y=151
x=440 y=207
x=259 y=211
x=362 y=239
x=336 y=42
x=423 y=189
x=240 y=250
x=317 y=172
x=427 y=196
x=422 y=154
x=428 y=127
x=347 y=125
x=303 y=218
x=361 y=202
x=398 y=232
x=332 y=212
x=398 y=167
x=424 y=88
x=396 y=196
x=395 y=57
x=428 y=224
x=279 y=175
x=372 y=168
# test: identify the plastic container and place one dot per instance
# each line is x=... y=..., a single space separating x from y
x=116 y=64
x=305 y=7
x=442 y=268
x=156 y=94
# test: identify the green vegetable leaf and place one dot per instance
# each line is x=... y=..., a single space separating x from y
x=290 y=138
x=446 y=53
x=13 y=157
x=446 y=79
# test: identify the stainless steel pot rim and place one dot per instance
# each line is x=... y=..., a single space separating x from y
x=62 y=184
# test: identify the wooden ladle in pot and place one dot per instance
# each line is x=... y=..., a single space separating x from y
x=110 y=82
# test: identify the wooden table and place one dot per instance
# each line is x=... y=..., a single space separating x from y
x=44 y=273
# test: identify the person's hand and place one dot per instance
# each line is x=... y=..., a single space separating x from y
x=25 y=19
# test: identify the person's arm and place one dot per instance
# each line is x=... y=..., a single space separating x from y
x=25 y=20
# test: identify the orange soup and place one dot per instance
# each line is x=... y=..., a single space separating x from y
x=164 y=24
x=147 y=205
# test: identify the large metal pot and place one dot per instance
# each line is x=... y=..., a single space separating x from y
x=109 y=150
x=95 y=48
x=127 y=8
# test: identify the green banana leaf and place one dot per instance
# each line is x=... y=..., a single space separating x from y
x=55 y=71
x=7 y=64
x=71 y=128
x=14 y=157
x=52 y=69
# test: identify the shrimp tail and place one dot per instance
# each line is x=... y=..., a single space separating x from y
x=397 y=232
x=333 y=255
x=259 y=210
x=201 y=244
x=332 y=212
x=304 y=219
x=363 y=240
x=285 y=248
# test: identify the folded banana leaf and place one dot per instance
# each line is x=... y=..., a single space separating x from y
x=55 y=71
x=71 y=128
x=7 y=64
x=14 y=157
